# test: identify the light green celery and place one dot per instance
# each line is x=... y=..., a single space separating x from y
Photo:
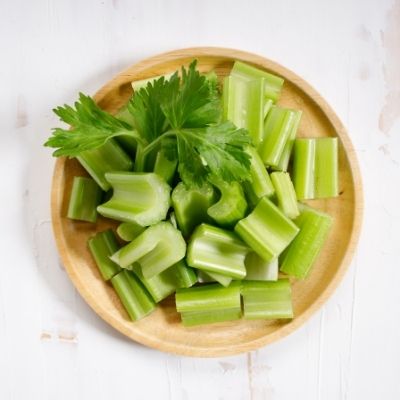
x=285 y=194
x=191 y=205
x=129 y=230
x=172 y=219
x=287 y=150
x=258 y=269
x=134 y=297
x=299 y=257
x=303 y=168
x=102 y=246
x=204 y=277
x=107 y=158
x=326 y=167
x=267 y=107
x=210 y=317
x=128 y=143
x=216 y=250
x=165 y=167
x=267 y=300
x=244 y=105
x=277 y=129
x=210 y=297
x=85 y=197
x=260 y=184
x=162 y=285
x=272 y=83
x=231 y=206
x=139 y=197
x=137 y=85
x=267 y=230
x=159 y=247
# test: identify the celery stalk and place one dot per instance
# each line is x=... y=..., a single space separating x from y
x=85 y=197
x=142 y=198
x=267 y=107
x=216 y=250
x=191 y=205
x=210 y=317
x=165 y=167
x=133 y=295
x=258 y=269
x=303 y=168
x=267 y=230
x=267 y=300
x=299 y=257
x=231 y=206
x=204 y=277
x=159 y=247
x=107 y=158
x=129 y=230
x=326 y=167
x=162 y=285
x=102 y=246
x=285 y=194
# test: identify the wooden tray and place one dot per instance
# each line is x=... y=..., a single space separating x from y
x=162 y=330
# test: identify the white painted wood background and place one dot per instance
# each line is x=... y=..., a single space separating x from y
x=52 y=345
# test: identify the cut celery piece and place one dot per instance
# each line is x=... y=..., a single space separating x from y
x=172 y=219
x=134 y=297
x=258 y=269
x=102 y=246
x=164 y=167
x=216 y=250
x=303 y=168
x=287 y=150
x=231 y=206
x=191 y=205
x=299 y=257
x=85 y=197
x=107 y=158
x=137 y=85
x=205 y=277
x=277 y=130
x=260 y=184
x=159 y=247
x=267 y=107
x=142 y=198
x=285 y=194
x=167 y=282
x=210 y=317
x=272 y=83
x=129 y=230
x=210 y=297
x=267 y=230
x=267 y=300
x=326 y=167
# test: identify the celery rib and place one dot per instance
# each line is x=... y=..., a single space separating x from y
x=257 y=269
x=285 y=194
x=129 y=230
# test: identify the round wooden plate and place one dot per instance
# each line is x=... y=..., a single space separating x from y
x=162 y=330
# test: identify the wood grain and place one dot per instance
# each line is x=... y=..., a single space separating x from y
x=162 y=329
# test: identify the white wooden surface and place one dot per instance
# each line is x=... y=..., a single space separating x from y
x=52 y=346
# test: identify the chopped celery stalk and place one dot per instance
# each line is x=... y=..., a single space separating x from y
x=260 y=184
x=159 y=247
x=129 y=230
x=299 y=257
x=85 y=197
x=107 y=158
x=204 y=277
x=142 y=198
x=137 y=85
x=258 y=269
x=326 y=167
x=231 y=206
x=277 y=129
x=134 y=297
x=210 y=297
x=191 y=205
x=267 y=230
x=172 y=219
x=303 y=168
x=267 y=300
x=285 y=194
x=213 y=249
x=162 y=285
x=209 y=317
x=165 y=167
x=287 y=150
x=273 y=84
x=244 y=105
x=267 y=107
x=102 y=246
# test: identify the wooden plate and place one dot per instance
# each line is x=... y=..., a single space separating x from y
x=162 y=330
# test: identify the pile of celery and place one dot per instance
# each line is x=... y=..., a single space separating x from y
x=205 y=177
